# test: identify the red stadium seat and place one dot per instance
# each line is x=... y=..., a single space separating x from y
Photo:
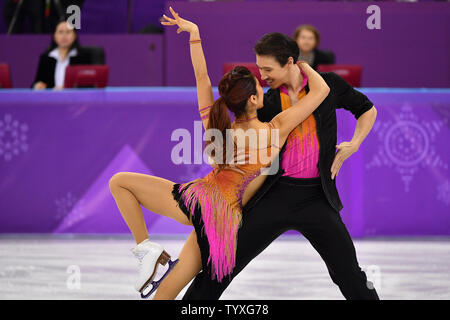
x=251 y=66
x=79 y=76
x=349 y=72
x=5 y=76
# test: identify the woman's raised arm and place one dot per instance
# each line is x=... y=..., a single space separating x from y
x=204 y=88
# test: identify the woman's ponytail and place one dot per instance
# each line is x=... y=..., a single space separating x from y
x=219 y=119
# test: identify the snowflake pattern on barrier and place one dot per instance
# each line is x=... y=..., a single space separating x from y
x=69 y=204
x=443 y=192
x=407 y=143
x=13 y=137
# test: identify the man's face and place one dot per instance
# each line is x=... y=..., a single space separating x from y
x=271 y=71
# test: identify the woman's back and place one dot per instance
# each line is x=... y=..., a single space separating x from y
x=223 y=192
x=255 y=148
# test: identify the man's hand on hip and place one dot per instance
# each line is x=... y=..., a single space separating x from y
x=345 y=150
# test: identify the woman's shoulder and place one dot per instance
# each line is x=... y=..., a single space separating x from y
x=263 y=132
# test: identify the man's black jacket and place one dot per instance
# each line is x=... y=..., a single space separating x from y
x=341 y=95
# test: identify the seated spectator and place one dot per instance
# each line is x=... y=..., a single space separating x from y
x=64 y=50
x=308 y=39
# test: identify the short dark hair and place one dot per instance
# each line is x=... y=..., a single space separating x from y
x=279 y=46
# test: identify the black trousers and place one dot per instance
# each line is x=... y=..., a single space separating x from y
x=294 y=204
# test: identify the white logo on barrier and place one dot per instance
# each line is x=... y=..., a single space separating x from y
x=443 y=192
x=406 y=144
x=374 y=20
x=13 y=137
x=74 y=279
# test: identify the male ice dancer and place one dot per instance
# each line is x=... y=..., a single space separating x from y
x=302 y=195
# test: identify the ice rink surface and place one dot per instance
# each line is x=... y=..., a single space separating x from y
x=103 y=267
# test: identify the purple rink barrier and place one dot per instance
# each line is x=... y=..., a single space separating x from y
x=58 y=151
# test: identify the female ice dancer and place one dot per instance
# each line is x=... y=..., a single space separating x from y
x=212 y=204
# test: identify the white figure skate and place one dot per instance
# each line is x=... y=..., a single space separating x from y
x=149 y=255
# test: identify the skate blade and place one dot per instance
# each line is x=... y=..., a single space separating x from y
x=155 y=284
x=162 y=259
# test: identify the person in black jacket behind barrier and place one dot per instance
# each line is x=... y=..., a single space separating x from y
x=64 y=50
x=308 y=39
x=302 y=196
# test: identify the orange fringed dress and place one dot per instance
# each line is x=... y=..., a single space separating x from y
x=214 y=203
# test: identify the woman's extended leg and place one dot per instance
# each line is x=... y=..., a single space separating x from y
x=131 y=189
x=188 y=266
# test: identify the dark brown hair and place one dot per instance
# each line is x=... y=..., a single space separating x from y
x=279 y=46
x=235 y=88
x=310 y=28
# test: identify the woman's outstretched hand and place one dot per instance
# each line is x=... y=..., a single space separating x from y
x=204 y=88
x=183 y=24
